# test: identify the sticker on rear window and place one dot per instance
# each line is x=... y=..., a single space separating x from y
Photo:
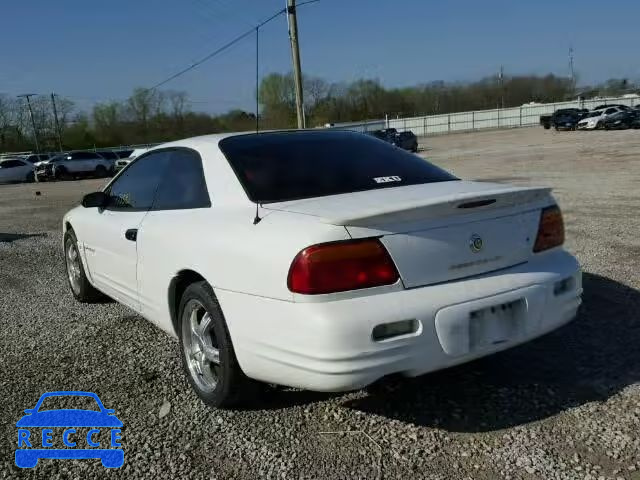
x=392 y=178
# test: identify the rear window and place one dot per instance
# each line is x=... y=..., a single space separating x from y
x=276 y=167
x=108 y=155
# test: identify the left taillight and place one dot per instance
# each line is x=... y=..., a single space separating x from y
x=341 y=266
x=550 y=229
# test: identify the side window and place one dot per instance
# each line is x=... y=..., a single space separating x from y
x=136 y=187
x=183 y=185
x=11 y=164
x=83 y=156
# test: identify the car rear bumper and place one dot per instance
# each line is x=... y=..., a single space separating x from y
x=328 y=346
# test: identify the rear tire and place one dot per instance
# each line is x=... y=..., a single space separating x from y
x=208 y=357
x=31 y=177
x=80 y=287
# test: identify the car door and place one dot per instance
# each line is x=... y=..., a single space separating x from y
x=110 y=234
x=13 y=171
x=609 y=111
x=181 y=204
x=82 y=162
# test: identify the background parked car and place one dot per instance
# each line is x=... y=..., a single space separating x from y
x=16 y=170
x=109 y=155
x=75 y=164
x=564 y=118
x=125 y=153
x=386 y=134
x=595 y=119
x=406 y=140
x=35 y=158
x=617 y=105
x=622 y=120
x=123 y=162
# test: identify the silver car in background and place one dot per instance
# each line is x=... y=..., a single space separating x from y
x=74 y=164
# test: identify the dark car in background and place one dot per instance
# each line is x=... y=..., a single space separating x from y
x=621 y=107
x=386 y=134
x=622 y=120
x=406 y=140
x=564 y=118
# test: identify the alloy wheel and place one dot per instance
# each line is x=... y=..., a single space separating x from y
x=200 y=346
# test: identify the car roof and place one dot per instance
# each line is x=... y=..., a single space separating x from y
x=220 y=177
x=215 y=138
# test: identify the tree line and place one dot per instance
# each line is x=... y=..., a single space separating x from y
x=152 y=116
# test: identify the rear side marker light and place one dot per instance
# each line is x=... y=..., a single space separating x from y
x=341 y=266
x=550 y=229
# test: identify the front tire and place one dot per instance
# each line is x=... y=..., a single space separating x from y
x=31 y=177
x=208 y=356
x=80 y=287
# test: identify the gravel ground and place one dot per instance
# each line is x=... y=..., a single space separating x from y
x=565 y=406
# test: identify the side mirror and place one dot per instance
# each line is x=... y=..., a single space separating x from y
x=95 y=199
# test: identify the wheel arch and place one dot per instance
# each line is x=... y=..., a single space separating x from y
x=177 y=286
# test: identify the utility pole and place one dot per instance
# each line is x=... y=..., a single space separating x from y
x=573 y=73
x=501 y=77
x=295 y=55
x=55 y=116
x=33 y=123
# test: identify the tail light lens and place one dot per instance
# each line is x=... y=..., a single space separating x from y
x=340 y=266
x=550 y=230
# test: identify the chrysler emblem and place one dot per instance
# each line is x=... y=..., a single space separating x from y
x=475 y=243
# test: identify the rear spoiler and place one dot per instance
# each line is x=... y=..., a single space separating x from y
x=444 y=205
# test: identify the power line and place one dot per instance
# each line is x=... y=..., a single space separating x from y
x=219 y=50
x=227 y=45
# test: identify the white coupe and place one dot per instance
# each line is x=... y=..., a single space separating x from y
x=320 y=260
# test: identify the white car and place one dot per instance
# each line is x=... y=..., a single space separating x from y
x=16 y=170
x=74 y=164
x=323 y=260
x=123 y=162
x=593 y=120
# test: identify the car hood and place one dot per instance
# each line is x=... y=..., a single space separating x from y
x=69 y=418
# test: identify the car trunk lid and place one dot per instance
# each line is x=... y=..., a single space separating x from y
x=441 y=231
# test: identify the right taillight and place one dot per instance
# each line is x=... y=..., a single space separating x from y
x=341 y=266
x=550 y=230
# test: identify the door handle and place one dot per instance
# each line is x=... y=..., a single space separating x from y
x=131 y=234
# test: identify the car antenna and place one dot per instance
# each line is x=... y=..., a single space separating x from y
x=257 y=218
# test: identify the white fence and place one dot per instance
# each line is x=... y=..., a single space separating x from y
x=524 y=116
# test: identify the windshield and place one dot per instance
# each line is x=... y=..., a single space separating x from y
x=76 y=402
x=593 y=114
x=275 y=167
